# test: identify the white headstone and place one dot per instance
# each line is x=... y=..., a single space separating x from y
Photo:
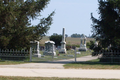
x=35 y=47
x=83 y=44
x=49 y=48
x=96 y=43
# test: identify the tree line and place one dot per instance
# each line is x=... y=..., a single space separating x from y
x=74 y=35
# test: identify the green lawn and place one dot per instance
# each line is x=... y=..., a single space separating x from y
x=40 y=78
x=6 y=62
x=93 y=64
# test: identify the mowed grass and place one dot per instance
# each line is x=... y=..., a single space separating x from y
x=41 y=78
x=93 y=64
x=69 y=40
x=6 y=62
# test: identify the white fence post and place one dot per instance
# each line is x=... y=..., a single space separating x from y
x=75 y=54
x=30 y=54
x=52 y=51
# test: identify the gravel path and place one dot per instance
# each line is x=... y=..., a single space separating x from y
x=49 y=65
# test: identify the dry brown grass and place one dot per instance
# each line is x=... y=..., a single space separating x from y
x=42 y=41
x=69 y=40
x=76 y=41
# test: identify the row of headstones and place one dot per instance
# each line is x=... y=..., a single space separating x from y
x=50 y=49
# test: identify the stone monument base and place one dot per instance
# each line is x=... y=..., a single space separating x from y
x=49 y=53
x=63 y=51
x=82 y=49
x=37 y=55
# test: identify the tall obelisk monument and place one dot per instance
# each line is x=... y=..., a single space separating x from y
x=63 y=43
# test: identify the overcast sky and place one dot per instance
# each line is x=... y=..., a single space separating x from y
x=73 y=15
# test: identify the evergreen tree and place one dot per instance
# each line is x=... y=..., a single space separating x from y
x=15 y=26
x=57 y=39
x=106 y=29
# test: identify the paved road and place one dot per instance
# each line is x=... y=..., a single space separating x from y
x=56 y=69
x=67 y=73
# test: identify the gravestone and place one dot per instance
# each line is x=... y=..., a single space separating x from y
x=63 y=43
x=49 y=48
x=96 y=44
x=35 y=48
x=78 y=52
x=83 y=43
x=109 y=47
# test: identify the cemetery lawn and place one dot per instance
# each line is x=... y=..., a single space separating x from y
x=70 y=55
x=41 y=78
x=92 y=64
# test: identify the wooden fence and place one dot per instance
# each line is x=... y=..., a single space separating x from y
x=10 y=54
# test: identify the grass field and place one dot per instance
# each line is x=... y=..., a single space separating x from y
x=69 y=40
x=6 y=62
x=42 y=41
x=75 y=41
x=41 y=78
